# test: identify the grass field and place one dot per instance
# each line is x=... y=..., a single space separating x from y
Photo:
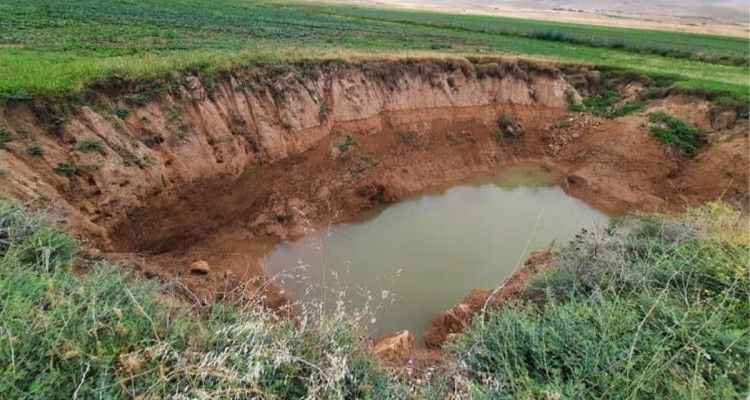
x=53 y=48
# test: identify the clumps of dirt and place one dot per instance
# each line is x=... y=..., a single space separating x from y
x=395 y=348
x=568 y=130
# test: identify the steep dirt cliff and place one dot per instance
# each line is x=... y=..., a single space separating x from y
x=266 y=153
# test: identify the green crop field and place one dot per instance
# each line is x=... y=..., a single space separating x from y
x=726 y=50
x=53 y=48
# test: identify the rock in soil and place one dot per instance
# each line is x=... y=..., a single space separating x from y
x=200 y=267
x=394 y=348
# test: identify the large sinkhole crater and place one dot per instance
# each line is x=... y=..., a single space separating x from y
x=238 y=172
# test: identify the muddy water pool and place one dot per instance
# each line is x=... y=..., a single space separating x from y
x=409 y=261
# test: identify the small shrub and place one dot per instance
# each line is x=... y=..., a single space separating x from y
x=606 y=105
x=629 y=107
x=121 y=112
x=182 y=132
x=653 y=93
x=600 y=104
x=89 y=145
x=174 y=113
x=408 y=137
x=507 y=128
x=5 y=137
x=505 y=121
x=209 y=83
x=346 y=143
x=35 y=150
x=324 y=110
x=673 y=131
x=67 y=169
x=47 y=249
x=138 y=99
x=576 y=107
x=15 y=224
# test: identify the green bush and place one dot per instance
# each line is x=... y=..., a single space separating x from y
x=652 y=308
x=504 y=121
x=67 y=169
x=679 y=134
x=346 y=143
x=5 y=137
x=121 y=112
x=35 y=150
x=89 y=145
x=408 y=137
x=505 y=129
x=606 y=105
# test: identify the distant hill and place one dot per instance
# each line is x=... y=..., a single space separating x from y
x=724 y=17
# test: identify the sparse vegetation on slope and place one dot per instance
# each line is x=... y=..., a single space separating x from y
x=649 y=308
x=606 y=105
x=676 y=132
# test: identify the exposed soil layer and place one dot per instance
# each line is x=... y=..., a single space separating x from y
x=216 y=164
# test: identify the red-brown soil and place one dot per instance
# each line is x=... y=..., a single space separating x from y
x=219 y=175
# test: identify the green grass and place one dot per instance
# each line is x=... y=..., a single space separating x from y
x=108 y=334
x=608 y=105
x=731 y=50
x=89 y=146
x=650 y=308
x=5 y=137
x=346 y=143
x=675 y=132
x=35 y=150
x=53 y=48
x=505 y=129
x=121 y=113
x=67 y=169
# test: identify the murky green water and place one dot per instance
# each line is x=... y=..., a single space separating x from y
x=412 y=260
